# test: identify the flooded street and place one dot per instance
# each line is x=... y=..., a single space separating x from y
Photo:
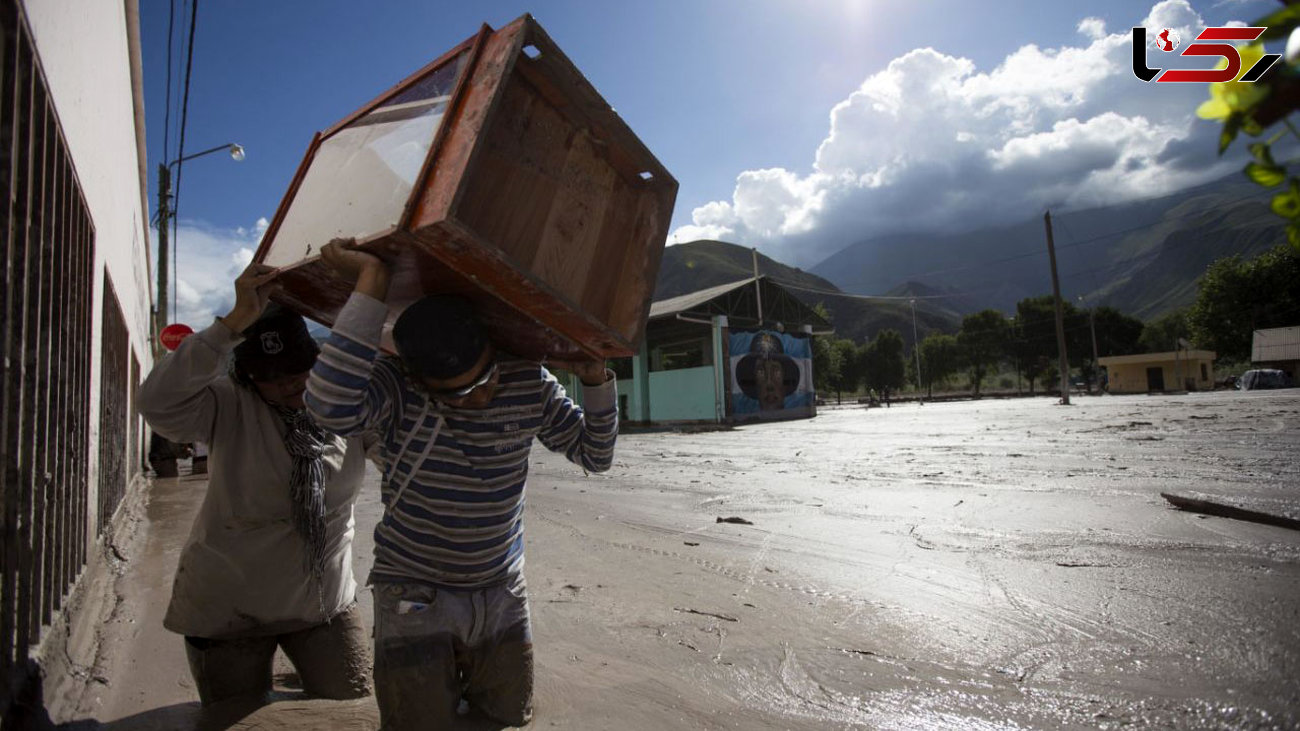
x=967 y=565
x=992 y=564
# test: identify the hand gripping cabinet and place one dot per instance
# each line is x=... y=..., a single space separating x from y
x=497 y=172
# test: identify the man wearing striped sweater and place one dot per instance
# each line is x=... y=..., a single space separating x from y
x=458 y=419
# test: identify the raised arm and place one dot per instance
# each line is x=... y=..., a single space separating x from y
x=584 y=435
x=186 y=390
x=346 y=393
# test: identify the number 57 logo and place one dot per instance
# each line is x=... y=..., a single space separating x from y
x=1169 y=42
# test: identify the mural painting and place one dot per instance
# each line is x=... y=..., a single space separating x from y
x=770 y=371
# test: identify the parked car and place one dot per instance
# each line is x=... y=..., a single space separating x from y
x=1264 y=378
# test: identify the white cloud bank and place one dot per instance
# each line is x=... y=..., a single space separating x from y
x=933 y=143
x=207 y=262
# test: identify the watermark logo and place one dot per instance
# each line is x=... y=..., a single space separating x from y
x=1168 y=41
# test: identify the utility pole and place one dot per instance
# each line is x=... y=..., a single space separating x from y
x=758 y=289
x=1063 y=361
x=164 y=216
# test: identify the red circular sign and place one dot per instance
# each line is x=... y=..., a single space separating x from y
x=172 y=335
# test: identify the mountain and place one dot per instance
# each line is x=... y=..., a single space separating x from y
x=1142 y=257
x=699 y=265
x=702 y=264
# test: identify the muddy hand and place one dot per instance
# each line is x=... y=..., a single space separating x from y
x=591 y=372
x=252 y=293
x=343 y=257
x=368 y=271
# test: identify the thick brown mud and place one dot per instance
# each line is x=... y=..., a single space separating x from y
x=967 y=565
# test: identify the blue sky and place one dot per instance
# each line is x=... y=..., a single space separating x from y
x=796 y=126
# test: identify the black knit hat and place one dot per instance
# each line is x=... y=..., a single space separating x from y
x=439 y=336
x=277 y=345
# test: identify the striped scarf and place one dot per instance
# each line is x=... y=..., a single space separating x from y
x=305 y=442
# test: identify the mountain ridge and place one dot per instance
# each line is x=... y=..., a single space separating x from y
x=1142 y=257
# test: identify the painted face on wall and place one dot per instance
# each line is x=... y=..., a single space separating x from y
x=768 y=376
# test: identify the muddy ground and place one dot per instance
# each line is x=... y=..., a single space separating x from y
x=980 y=564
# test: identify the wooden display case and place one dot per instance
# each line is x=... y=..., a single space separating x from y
x=496 y=172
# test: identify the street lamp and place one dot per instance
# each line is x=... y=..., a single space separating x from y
x=916 y=349
x=165 y=214
x=1092 y=326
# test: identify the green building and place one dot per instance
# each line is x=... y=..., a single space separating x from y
x=731 y=353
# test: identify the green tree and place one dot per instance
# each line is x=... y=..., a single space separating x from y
x=1161 y=334
x=826 y=363
x=883 y=364
x=940 y=359
x=1237 y=297
x=983 y=343
x=847 y=376
x=1033 y=346
x=1117 y=333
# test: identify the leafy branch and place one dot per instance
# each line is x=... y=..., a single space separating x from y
x=1254 y=107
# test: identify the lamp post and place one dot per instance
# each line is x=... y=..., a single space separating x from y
x=1092 y=326
x=1016 y=351
x=165 y=214
x=916 y=349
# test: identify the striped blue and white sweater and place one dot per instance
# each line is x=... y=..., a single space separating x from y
x=453 y=484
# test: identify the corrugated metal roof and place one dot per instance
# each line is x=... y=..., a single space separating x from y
x=1274 y=344
x=686 y=302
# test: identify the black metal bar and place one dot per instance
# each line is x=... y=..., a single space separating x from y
x=43 y=587
x=9 y=304
x=59 y=391
x=112 y=405
x=80 y=384
x=31 y=256
x=133 y=443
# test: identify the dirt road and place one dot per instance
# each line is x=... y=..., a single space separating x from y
x=989 y=564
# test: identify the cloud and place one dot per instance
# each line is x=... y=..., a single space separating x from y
x=934 y=143
x=1094 y=28
x=207 y=260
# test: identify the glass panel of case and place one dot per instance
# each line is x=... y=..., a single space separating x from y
x=361 y=176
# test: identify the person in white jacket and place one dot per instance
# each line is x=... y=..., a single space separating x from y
x=269 y=559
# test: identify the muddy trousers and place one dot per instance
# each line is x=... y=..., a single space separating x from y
x=435 y=647
x=332 y=659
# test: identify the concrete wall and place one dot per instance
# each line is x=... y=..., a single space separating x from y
x=688 y=394
x=85 y=51
x=88 y=52
x=1132 y=377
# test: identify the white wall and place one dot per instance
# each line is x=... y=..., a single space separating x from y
x=85 y=53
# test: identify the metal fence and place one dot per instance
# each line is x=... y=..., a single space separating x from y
x=47 y=253
x=114 y=347
x=136 y=443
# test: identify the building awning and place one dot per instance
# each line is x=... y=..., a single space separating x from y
x=1156 y=357
x=741 y=304
x=688 y=302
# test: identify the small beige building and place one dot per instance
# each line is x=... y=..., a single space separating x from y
x=1157 y=372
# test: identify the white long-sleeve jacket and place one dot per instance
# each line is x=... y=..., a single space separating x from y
x=242 y=572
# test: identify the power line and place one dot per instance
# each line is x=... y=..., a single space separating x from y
x=180 y=164
x=167 y=115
